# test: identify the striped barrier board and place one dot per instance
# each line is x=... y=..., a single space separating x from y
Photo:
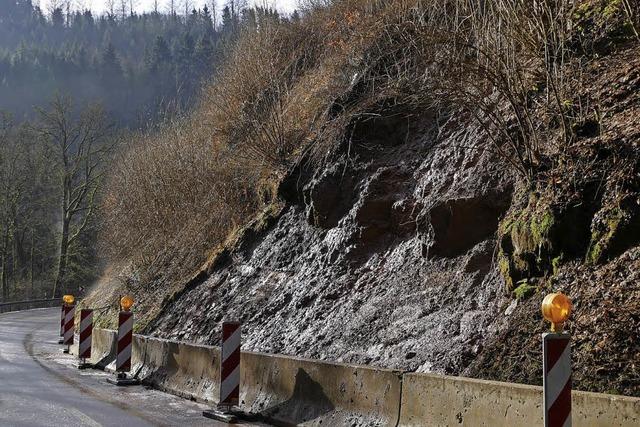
x=230 y=366
x=63 y=311
x=69 y=318
x=229 y=376
x=125 y=338
x=556 y=348
x=86 y=329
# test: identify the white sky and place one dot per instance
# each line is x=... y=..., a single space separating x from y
x=99 y=6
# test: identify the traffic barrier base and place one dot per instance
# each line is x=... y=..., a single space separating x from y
x=225 y=417
x=122 y=380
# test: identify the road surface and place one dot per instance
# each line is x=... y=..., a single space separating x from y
x=39 y=386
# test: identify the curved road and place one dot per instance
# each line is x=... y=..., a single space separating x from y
x=40 y=386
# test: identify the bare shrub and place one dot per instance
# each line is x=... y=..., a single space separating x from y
x=290 y=89
x=173 y=195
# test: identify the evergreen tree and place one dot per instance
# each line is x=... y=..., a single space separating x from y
x=110 y=66
x=57 y=18
x=131 y=63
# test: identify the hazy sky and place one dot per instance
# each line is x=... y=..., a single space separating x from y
x=99 y=6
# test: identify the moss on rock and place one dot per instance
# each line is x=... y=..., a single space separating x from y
x=524 y=290
x=535 y=239
x=613 y=231
x=525 y=242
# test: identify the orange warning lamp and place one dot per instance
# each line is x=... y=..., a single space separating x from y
x=126 y=302
x=68 y=299
x=556 y=308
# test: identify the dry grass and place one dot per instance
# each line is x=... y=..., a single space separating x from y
x=293 y=89
x=172 y=195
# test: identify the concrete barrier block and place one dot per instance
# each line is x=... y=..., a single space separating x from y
x=297 y=391
x=436 y=400
x=103 y=347
x=191 y=371
x=600 y=410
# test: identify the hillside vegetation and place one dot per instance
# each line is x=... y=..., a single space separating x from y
x=487 y=150
x=139 y=66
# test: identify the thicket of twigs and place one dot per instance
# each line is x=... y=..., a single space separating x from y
x=292 y=88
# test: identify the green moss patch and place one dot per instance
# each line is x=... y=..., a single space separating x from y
x=613 y=231
x=524 y=290
x=536 y=239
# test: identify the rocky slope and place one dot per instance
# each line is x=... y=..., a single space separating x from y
x=393 y=254
x=383 y=256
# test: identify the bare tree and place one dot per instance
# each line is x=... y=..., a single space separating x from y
x=237 y=6
x=132 y=6
x=187 y=5
x=171 y=5
x=10 y=184
x=123 y=9
x=80 y=147
x=214 y=13
x=111 y=7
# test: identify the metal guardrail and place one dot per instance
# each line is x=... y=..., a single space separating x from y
x=6 y=307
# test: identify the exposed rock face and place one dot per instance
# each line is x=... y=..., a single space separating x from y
x=382 y=256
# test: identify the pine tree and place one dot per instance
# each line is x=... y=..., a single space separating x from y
x=204 y=56
x=57 y=18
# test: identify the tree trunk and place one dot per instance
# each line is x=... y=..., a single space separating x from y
x=62 y=262
x=4 y=279
x=31 y=265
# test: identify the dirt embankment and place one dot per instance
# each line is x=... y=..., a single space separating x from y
x=390 y=254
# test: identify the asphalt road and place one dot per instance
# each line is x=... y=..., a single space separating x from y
x=40 y=386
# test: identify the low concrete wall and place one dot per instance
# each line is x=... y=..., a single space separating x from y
x=103 y=347
x=295 y=391
x=285 y=390
x=188 y=370
x=437 y=400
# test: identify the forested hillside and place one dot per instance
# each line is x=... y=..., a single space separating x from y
x=76 y=92
x=138 y=66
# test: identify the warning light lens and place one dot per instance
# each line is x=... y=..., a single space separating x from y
x=126 y=302
x=556 y=308
x=68 y=299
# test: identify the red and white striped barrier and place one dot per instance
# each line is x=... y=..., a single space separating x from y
x=123 y=356
x=230 y=366
x=69 y=319
x=556 y=363
x=125 y=338
x=63 y=311
x=86 y=329
x=229 y=375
